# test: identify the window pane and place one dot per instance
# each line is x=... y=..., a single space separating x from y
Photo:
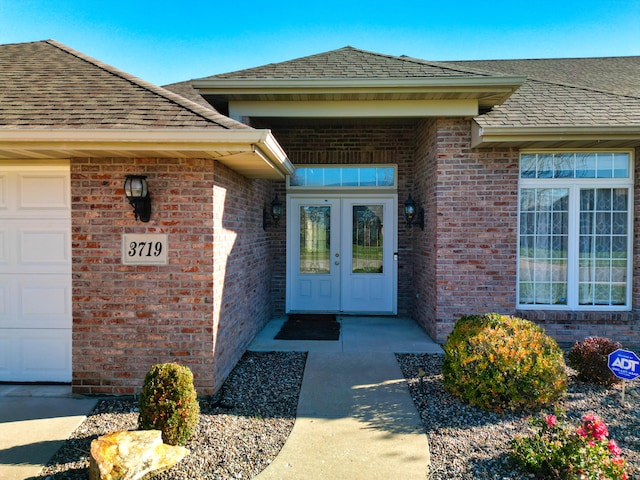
x=603 y=249
x=349 y=177
x=559 y=293
x=586 y=165
x=600 y=240
x=564 y=164
x=343 y=177
x=526 y=292
x=621 y=165
x=528 y=166
x=605 y=166
x=367 y=239
x=543 y=246
x=618 y=294
x=315 y=239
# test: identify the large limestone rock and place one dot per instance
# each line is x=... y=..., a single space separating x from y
x=131 y=455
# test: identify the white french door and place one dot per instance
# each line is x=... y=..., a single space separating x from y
x=341 y=254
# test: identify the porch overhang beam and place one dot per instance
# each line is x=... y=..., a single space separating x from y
x=487 y=90
x=556 y=137
x=354 y=109
x=253 y=153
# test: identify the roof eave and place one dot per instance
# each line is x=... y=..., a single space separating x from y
x=254 y=153
x=603 y=136
x=251 y=88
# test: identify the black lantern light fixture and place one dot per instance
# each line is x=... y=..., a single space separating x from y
x=413 y=214
x=137 y=192
x=275 y=213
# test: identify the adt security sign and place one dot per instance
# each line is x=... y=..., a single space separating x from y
x=624 y=364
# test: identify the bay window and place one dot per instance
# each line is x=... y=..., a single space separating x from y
x=575 y=230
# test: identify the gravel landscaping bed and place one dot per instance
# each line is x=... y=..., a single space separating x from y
x=468 y=443
x=243 y=427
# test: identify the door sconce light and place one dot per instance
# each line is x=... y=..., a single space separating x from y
x=413 y=214
x=276 y=213
x=137 y=192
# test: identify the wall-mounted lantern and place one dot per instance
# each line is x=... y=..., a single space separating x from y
x=137 y=192
x=413 y=214
x=276 y=210
x=276 y=213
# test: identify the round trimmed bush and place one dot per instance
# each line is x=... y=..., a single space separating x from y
x=503 y=363
x=168 y=402
x=590 y=358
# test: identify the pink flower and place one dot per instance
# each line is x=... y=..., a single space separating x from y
x=593 y=427
x=551 y=421
x=614 y=448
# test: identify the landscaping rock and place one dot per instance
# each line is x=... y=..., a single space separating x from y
x=131 y=455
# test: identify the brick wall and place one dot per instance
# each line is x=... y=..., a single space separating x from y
x=127 y=318
x=340 y=143
x=475 y=248
x=424 y=243
x=476 y=195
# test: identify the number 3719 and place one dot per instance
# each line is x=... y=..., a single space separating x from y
x=145 y=249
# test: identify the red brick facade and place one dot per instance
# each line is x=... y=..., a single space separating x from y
x=202 y=309
x=226 y=275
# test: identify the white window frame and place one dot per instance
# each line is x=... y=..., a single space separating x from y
x=574 y=185
x=355 y=188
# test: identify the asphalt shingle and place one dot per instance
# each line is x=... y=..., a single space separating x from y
x=350 y=62
x=46 y=85
x=558 y=92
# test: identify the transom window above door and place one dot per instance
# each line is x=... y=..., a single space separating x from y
x=344 y=177
x=575 y=230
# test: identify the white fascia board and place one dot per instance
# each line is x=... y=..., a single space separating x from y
x=483 y=135
x=354 y=109
x=165 y=142
x=225 y=86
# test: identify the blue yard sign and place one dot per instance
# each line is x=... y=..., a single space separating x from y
x=624 y=364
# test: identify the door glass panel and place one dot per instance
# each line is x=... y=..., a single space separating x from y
x=315 y=239
x=367 y=239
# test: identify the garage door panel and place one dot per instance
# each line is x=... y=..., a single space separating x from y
x=35 y=272
x=28 y=302
x=25 y=249
x=50 y=246
x=35 y=355
x=4 y=191
x=4 y=250
x=43 y=191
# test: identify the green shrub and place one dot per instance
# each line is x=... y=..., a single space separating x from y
x=168 y=403
x=590 y=358
x=503 y=363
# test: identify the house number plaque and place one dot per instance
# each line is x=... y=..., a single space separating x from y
x=147 y=249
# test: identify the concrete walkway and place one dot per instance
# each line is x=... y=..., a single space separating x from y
x=34 y=423
x=356 y=418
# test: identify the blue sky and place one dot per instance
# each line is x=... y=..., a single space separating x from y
x=170 y=41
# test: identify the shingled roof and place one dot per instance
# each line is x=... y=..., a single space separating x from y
x=351 y=74
x=48 y=85
x=350 y=62
x=56 y=102
x=575 y=96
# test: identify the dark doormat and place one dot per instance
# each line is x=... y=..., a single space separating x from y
x=310 y=327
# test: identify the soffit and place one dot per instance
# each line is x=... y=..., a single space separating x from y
x=253 y=153
x=488 y=91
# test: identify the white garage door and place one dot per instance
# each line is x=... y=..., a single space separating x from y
x=35 y=273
